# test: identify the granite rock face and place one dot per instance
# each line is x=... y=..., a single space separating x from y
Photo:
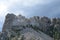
x=34 y=28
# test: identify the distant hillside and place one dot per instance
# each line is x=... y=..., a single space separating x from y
x=34 y=28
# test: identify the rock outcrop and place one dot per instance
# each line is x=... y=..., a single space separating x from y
x=34 y=28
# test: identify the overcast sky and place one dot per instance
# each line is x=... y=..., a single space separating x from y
x=28 y=8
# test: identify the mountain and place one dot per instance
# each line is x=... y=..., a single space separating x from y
x=34 y=28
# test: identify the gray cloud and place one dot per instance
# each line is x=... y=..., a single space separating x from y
x=50 y=10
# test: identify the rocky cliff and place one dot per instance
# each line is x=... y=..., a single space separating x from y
x=34 y=28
